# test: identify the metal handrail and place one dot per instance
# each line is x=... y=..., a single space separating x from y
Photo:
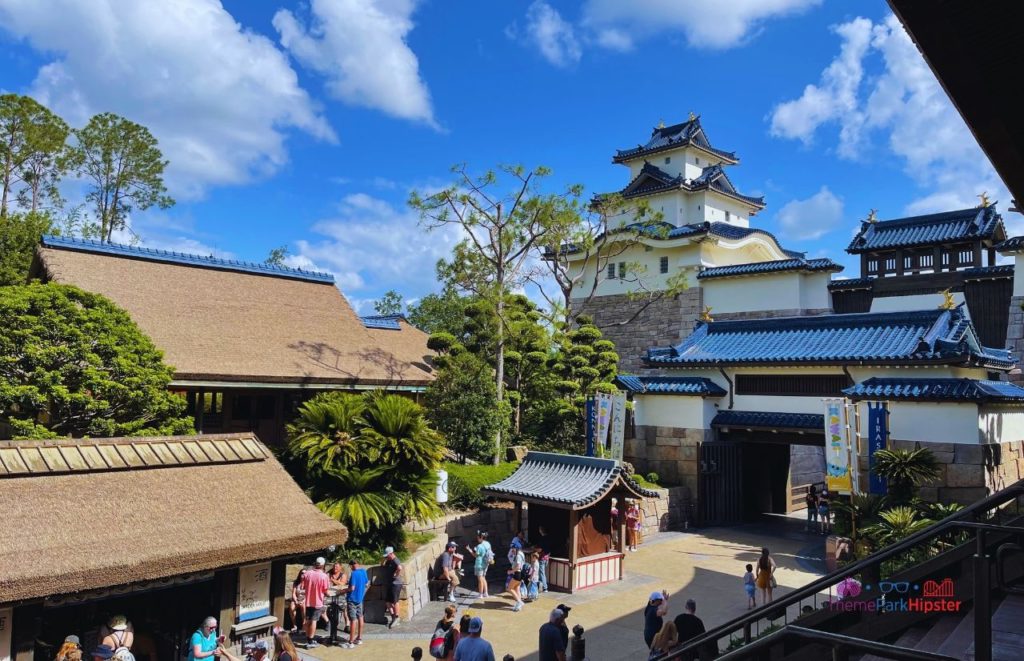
x=955 y=520
x=836 y=640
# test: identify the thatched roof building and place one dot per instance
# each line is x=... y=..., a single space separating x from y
x=95 y=513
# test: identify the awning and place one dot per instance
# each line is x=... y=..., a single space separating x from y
x=770 y=421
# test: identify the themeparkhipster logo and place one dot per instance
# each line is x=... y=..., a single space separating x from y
x=895 y=597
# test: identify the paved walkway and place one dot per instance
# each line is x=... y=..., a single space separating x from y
x=706 y=566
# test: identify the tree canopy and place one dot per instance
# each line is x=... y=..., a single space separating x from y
x=33 y=153
x=19 y=234
x=74 y=364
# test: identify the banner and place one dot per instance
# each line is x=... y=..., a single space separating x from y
x=837 y=449
x=591 y=415
x=253 y=591
x=878 y=434
x=618 y=424
x=604 y=420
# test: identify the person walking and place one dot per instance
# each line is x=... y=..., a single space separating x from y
x=315 y=583
x=811 y=502
x=483 y=557
x=515 y=572
x=542 y=545
x=284 y=648
x=824 y=513
x=358 y=584
x=203 y=643
x=654 y=613
x=473 y=647
x=689 y=626
x=765 y=575
x=393 y=577
x=445 y=636
x=664 y=641
x=632 y=521
x=750 y=587
x=550 y=645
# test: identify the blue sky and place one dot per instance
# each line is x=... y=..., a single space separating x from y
x=307 y=124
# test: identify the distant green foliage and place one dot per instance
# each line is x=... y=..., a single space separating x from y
x=462 y=404
x=905 y=471
x=390 y=303
x=465 y=482
x=652 y=478
x=74 y=364
x=19 y=234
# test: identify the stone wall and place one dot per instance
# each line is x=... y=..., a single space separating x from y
x=768 y=314
x=663 y=323
x=669 y=511
x=806 y=465
x=671 y=452
x=1015 y=334
x=967 y=472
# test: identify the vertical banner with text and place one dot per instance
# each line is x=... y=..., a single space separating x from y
x=591 y=413
x=604 y=421
x=837 y=449
x=618 y=424
x=878 y=434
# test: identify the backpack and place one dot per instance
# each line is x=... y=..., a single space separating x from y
x=489 y=556
x=440 y=642
x=526 y=572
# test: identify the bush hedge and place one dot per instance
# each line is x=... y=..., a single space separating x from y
x=466 y=480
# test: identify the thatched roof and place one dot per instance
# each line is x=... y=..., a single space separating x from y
x=225 y=321
x=85 y=514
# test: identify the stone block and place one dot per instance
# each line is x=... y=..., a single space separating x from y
x=689 y=453
x=666 y=440
x=969 y=454
x=965 y=475
x=964 y=495
x=944 y=457
x=930 y=494
x=516 y=452
x=667 y=453
x=665 y=431
x=688 y=468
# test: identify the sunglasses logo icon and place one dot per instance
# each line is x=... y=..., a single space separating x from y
x=901 y=587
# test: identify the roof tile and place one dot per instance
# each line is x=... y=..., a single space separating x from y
x=671 y=385
x=936 y=390
x=769 y=420
x=775 y=266
x=932 y=229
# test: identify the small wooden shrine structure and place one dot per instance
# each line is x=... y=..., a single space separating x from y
x=571 y=498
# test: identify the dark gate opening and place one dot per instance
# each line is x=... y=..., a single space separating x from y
x=765 y=479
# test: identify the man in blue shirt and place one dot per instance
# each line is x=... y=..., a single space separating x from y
x=358 y=583
x=551 y=646
x=473 y=647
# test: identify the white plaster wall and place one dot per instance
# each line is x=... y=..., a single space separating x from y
x=673 y=411
x=917 y=302
x=814 y=294
x=1001 y=425
x=933 y=422
x=1018 y=278
x=777 y=291
x=715 y=206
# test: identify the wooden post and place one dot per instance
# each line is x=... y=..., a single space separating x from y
x=278 y=584
x=863 y=265
x=574 y=536
x=937 y=259
x=227 y=593
x=26 y=628
x=620 y=524
x=900 y=257
x=199 y=410
x=977 y=253
x=991 y=256
x=518 y=519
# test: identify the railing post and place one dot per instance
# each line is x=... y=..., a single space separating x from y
x=746 y=632
x=840 y=653
x=982 y=601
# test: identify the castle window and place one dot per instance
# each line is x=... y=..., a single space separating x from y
x=611 y=271
x=668 y=159
x=728 y=216
x=663 y=264
x=622 y=269
x=696 y=161
x=810 y=385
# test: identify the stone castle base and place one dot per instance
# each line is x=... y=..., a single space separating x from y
x=671 y=452
x=967 y=472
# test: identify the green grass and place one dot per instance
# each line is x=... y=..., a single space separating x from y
x=639 y=479
x=465 y=482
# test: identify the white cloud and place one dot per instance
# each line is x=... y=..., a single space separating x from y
x=218 y=97
x=360 y=47
x=704 y=23
x=552 y=34
x=905 y=105
x=371 y=246
x=812 y=217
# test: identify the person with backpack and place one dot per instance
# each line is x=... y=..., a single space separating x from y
x=531 y=575
x=445 y=637
x=483 y=557
x=823 y=513
x=515 y=573
x=811 y=501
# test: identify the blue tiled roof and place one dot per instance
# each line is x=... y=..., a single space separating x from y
x=756 y=268
x=985 y=272
x=769 y=420
x=184 y=259
x=936 y=390
x=653 y=179
x=671 y=385
x=564 y=480
x=851 y=283
x=884 y=338
x=933 y=229
x=382 y=321
x=672 y=137
x=1013 y=244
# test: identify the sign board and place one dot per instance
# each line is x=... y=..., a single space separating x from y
x=618 y=424
x=591 y=413
x=878 y=434
x=6 y=627
x=253 y=591
x=838 y=478
x=604 y=420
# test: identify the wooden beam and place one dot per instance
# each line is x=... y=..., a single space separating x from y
x=518 y=517
x=574 y=536
x=278 y=583
x=27 y=626
x=226 y=581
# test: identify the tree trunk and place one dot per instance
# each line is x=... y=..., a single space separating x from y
x=500 y=367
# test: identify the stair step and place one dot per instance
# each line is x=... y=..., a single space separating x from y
x=960 y=639
x=938 y=632
x=909 y=638
x=1007 y=639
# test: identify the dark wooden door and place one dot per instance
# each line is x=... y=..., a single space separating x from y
x=721 y=483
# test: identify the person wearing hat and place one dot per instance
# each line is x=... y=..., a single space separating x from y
x=551 y=645
x=118 y=633
x=473 y=647
x=393 y=575
x=563 y=627
x=70 y=645
x=654 y=612
x=448 y=571
x=102 y=653
x=315 y=584
x=358 y=584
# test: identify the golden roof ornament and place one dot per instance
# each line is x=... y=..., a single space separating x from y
x=984 y=200
x=947 y=303
x=705 y=316
x=661 y=123
x=692 y=116
x=872 y=218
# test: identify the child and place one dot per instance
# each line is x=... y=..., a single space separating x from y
x=748 y=585
x=823 y=513
x=534 y=576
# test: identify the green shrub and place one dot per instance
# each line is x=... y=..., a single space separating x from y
x=466 y=480
x=651 y=477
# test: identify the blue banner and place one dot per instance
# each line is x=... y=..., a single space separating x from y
x=878 y=433
x=591 y=417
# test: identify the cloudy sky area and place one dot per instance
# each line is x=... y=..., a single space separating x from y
x=308 y=123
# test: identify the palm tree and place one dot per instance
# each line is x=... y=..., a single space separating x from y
x=326 y=432
x=906 y=470
x=896 y=524
x=861 y=510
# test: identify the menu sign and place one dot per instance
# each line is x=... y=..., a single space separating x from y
x=253 y=591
